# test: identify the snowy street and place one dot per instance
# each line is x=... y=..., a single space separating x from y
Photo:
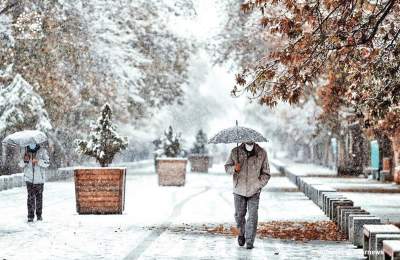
x=199 y=129
x=151 y=226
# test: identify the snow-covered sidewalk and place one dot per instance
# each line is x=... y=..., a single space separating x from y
x=206 y=198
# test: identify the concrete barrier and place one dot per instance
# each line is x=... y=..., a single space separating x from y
x=339 y=210
x=378 y=247
x=391 y=249
x=356 y=226
x=369 y=236
x=335 y=204
x=328 y=203
x=2 y=185
x=318 y=194
x=344 y=213
x=17 y=180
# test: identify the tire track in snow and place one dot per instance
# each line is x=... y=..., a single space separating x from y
x=148 y=240
x=229 y=202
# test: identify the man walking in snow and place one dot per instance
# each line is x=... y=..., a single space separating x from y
x=33 y=164
x=249 y=166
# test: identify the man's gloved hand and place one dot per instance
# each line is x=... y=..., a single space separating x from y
x=237 y=167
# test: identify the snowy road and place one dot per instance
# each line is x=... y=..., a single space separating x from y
x=206 y=198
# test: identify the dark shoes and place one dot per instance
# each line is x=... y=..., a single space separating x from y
x=249 y=246
x=39 y=218
x=241 y=240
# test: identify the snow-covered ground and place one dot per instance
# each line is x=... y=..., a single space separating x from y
x=304 y=169
x=206 y=198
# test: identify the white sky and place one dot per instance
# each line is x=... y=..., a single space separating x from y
x=217 y=82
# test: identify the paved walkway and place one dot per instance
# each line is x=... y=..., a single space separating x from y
x=206 y=198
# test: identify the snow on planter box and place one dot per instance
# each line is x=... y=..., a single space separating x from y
x=100 y=190
x=199 y=162
x=171 y=171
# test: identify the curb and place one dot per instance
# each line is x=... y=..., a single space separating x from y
x=350 y=219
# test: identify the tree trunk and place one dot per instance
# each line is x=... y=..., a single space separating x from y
x=396 y=156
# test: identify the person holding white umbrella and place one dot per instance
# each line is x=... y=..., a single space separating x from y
x=33 y=163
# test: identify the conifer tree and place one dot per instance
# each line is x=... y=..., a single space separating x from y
x=104 y=142
x=199 y=147
x=170 y=144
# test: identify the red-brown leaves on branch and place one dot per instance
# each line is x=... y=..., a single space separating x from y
x=358 y=40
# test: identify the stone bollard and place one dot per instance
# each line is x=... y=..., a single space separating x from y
x=344 y=214
x=329 y=205
x=314 y=193
x=369 y=237
x=391 y=249
x=378 y=247
x=339 y=210
x=326 y=197
x=321 y=192
x=356 y=224
x=333 y=212
x=301 y=184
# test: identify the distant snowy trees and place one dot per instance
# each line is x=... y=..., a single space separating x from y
x=199 y=147
x=21 y=108
x=78 y=55
x=103 y=142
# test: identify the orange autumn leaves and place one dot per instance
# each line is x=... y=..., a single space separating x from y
x=299 y=231
x=356 y=39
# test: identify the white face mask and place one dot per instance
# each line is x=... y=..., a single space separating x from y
x=32 y=146
x=249 y=147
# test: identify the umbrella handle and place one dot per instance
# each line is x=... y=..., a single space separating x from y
x=237 y=144
x=237 y=151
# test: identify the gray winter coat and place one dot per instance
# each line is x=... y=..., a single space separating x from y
x=254 y=173
x=36 y=174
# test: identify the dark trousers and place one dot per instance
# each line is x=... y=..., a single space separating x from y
x=248 y=228
x=35 y=199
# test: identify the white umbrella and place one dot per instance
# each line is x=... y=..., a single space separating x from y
x=26 y=137
x=237 y=134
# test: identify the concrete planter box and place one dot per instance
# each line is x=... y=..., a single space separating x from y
x=199 y=162
x=100 y=190
x=171 y=171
